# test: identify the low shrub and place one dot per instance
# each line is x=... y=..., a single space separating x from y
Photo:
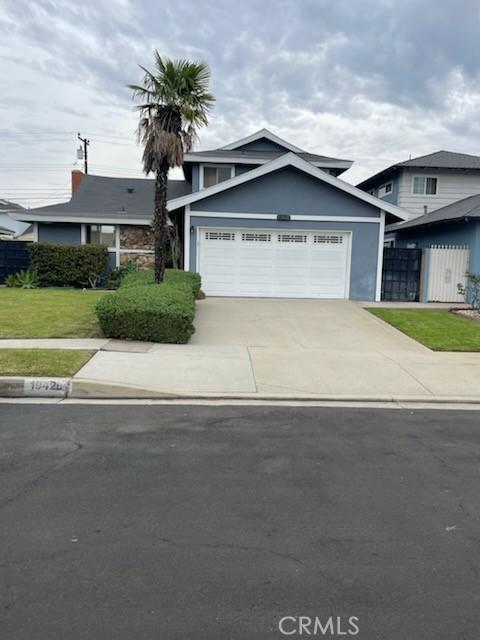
x=68 y=265
x=148 y=312
x=23 y=280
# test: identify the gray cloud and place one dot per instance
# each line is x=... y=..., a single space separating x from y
x=373 y=80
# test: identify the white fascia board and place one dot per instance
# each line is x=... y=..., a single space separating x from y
x=292 y=160
x=273 y=216
x=258 y=135
x=29 y=217
x=327 y=164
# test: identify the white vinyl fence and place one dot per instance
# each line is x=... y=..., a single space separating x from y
x=445 y=266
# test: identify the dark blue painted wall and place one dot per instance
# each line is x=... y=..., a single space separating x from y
x=364 y=245
x=262 y=145
x=243 y=168
x=391 y=197
x=59 y=233
x=286 y=191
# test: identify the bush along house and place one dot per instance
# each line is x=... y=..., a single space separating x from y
x=258 y=217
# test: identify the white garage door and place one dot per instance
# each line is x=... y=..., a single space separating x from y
x=277 y=264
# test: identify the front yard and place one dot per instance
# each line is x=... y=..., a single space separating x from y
x=49 y=313
x=437 y=329
x=41 y=362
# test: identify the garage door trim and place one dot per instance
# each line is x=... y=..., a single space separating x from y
x=275 y=230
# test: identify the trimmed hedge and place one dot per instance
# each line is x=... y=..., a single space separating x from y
x=68 y=265
x=143 y=310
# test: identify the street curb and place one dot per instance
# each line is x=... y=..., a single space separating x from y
x=74 y=388
x=34 y=387
x=97 y=389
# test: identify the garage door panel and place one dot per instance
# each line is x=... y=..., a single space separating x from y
x=267 y=263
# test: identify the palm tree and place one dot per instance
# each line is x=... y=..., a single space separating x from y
x=175 y=103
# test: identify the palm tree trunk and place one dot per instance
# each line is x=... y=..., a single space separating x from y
x=160 y=231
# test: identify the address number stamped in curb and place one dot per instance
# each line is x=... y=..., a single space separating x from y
x=47 y=387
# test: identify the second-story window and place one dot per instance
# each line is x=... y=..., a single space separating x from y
x=385 y=189
x=213 y=175
x=424 y=186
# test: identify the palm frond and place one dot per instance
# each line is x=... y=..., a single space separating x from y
x=174 y=102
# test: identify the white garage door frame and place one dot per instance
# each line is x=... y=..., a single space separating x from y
x=271 y=230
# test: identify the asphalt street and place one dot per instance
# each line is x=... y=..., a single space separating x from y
x=175 y=522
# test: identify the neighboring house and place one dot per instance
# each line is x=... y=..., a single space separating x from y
x=259 y=217
x=6 y=220
x=424 y=184
x=457 y=224
x=112 y=211
x=6 y=234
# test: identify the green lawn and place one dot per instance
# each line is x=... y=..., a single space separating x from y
x=41 y=362
x=435 y=328
x=48 y=313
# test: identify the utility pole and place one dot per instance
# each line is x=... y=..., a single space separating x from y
x=85 y=143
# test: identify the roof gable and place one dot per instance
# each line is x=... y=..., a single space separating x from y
x=262 y=135
x=286 y=191
x=290 y=159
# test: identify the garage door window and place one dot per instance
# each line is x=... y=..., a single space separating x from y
x=289 y=237
x=328 y=239
x=256 y=237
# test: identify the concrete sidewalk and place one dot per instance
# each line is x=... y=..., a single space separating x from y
x=262 y=371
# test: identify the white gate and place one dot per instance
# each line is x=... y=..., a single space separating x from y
x=446 y=268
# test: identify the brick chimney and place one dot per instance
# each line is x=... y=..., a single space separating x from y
x=77 y=177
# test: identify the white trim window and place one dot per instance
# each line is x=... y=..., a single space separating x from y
x=385 y=189
x=101 y=234
x=424 y=185
x=212 y=174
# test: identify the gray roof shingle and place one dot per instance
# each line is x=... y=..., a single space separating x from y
x=466 y=208
x=127 y=198
x=444 y=160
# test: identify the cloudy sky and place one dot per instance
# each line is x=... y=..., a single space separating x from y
x=370 y=80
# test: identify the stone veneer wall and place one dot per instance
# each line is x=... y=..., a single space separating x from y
x=135 y=239
x=142 y=260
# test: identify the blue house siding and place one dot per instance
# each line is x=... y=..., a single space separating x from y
x=287 y=191
x=243 y=168
x=364 y=245
x=262 y=145
x=59 y=233
x=195 y=177
x=391 y=197
x=454 y=233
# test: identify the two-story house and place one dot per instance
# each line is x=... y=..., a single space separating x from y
x=442 y=190
x=426 y=183
x=258 y=217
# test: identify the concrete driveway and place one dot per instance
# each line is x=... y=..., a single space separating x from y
x=284 y=348
x=295 y=324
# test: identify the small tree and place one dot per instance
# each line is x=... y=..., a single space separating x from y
x=471 y=289
x=175 y=102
